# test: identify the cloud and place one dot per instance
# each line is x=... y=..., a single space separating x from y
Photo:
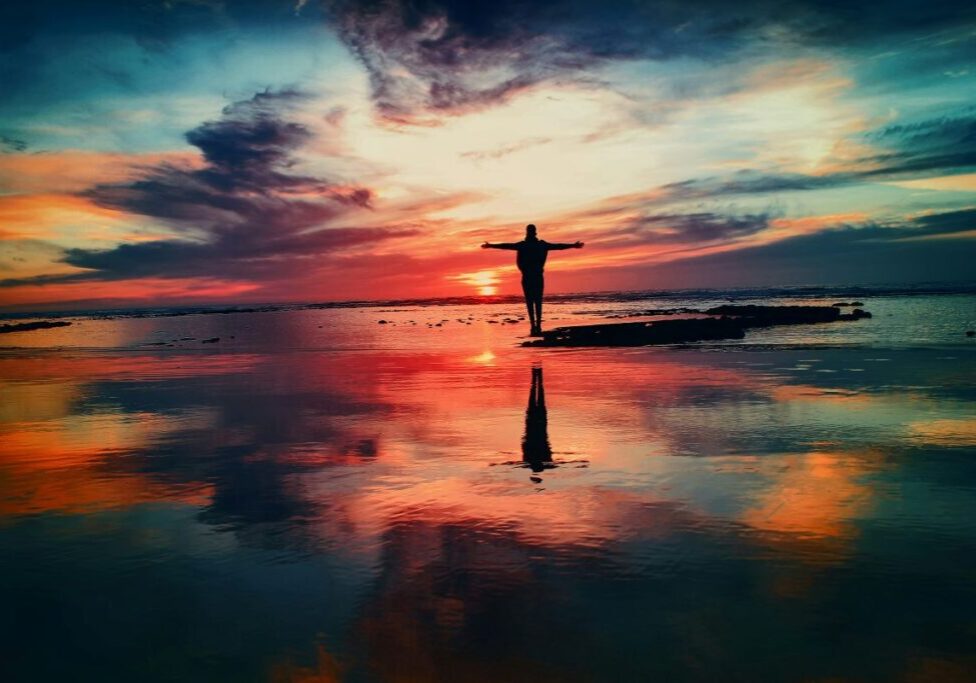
x=945 y=144
x=450 y=56
x=940 y=224
x=184 y=259
x=10 y=144
x=749 y=182
x=695 y=228
x=492 y=154
x=873 y=252
x=941 y=146
x=243 y=212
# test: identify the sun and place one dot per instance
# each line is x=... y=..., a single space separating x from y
x=485 y=282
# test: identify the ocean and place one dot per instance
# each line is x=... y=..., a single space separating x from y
x=902 y=318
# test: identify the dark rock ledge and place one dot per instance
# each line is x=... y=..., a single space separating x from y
x=27 y=327
x=730 y=322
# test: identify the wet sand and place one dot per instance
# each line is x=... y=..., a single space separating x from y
x=406 y=506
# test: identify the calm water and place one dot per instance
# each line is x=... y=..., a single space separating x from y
x=326 y=498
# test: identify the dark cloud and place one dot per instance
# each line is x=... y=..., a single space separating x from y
x=925 y=248
x=942 y=146
x=750 y=182
x=945 y=223
x=251 y=139
x=697 y=228
x=244 y=213
x=448 y=56
x=945 y=144
x=10 y=144
x=452 y=55
x=244 y=258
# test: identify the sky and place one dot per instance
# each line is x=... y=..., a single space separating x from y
x=206 y=151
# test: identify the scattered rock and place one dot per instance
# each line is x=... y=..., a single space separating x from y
x=212 y=340
x=971 y=333
x=27 y=327
x=662 y=311
x=383 y=322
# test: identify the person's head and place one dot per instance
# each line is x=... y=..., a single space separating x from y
x=530 y=232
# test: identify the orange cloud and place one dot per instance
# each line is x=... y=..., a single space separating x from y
x=38 y=216
x=70 y=171
x=782 y=228
x=122 y=291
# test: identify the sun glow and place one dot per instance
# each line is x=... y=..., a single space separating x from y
x=485 y=282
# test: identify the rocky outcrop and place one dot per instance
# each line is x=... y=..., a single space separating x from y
x=766 y=316
x=27 y=327
x=642 y=333
x=731 y=322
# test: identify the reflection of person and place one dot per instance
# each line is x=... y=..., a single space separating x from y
x=531 y=260
x=536 y=451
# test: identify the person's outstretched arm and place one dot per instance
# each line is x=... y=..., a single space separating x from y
x=564 y=245
x=500 y=245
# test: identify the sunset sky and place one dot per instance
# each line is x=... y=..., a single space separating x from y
x=196 y=151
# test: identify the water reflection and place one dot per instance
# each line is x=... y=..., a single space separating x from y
x=536 y=452
x=300 y=516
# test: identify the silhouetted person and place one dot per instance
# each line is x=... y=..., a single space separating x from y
x=536 y=451
x=531 y=260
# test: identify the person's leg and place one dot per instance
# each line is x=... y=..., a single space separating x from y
x=538 y=303
x=527 y=292
x=534 y=304
x=533 y=297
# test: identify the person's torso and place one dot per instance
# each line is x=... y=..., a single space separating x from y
x=531 y=257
